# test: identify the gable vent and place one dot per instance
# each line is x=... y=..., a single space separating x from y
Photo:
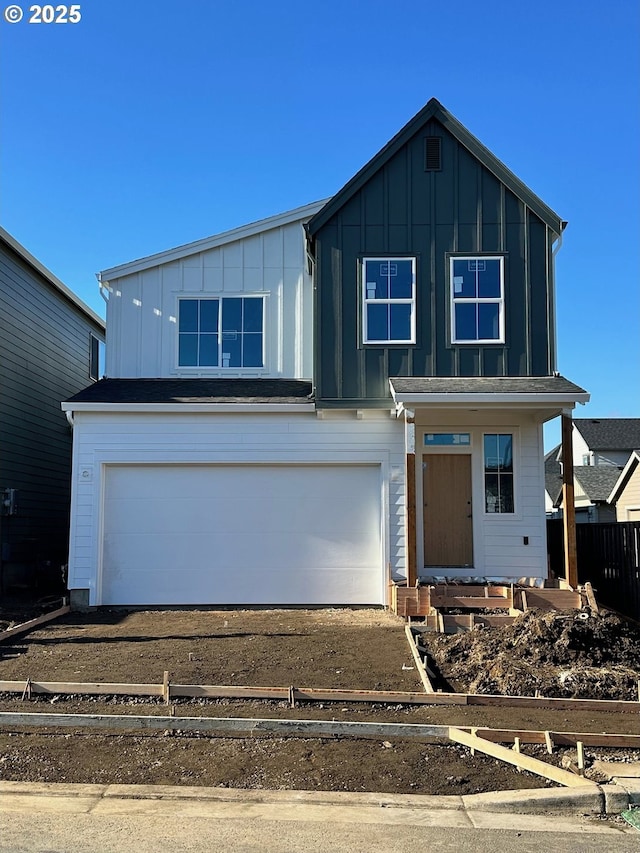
x=433 y=154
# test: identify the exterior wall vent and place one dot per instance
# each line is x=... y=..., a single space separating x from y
x=433 y=154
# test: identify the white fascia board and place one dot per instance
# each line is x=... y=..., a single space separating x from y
x=20 y=250
x=299 y=213
x=491 y=400
x=173 y=408
x=626 y=472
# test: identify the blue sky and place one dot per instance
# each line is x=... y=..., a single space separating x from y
x=152 y=123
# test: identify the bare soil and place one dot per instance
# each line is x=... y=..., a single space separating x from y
x=359 y=649
x=575 y=654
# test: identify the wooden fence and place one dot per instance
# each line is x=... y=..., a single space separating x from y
x=608 y=556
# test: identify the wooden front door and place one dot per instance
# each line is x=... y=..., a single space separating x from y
x=447 y=516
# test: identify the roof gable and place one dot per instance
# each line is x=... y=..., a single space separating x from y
x=625 y=476
x=435 y=110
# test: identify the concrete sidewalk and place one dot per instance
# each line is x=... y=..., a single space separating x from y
x=591 y=800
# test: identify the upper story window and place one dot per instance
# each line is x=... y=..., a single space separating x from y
x=498 y=472
x=389 y=300
x=477 y=300
x=223 y=332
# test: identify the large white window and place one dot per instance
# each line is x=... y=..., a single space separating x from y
x=389 y=300
x=223 y=332
x=477 y=300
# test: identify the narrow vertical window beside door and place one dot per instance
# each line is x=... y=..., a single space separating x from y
x=498 y=473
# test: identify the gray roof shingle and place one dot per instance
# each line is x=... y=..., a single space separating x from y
x=609 y=433
x=195 y=391
x=597 y=480
x=484 y=385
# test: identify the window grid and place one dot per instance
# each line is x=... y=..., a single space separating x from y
x=498 y=473
x=387 y=313
x=225 y=332
x=477 y=299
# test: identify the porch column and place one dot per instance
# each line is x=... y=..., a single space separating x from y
x=410 y=480
x=568 y=503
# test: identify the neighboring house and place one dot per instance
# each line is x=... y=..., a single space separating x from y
x=553 y=482
x=49 y=347
x=625 y=495
x=604 y=441
x=601 y=448
x=304 y=409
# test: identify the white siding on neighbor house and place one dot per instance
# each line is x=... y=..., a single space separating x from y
x=142 y=307
x=499 y=540
x=340 y=438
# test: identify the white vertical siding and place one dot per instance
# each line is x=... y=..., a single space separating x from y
x=142 y=308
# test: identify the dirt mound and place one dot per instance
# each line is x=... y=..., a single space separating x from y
x=573 y=654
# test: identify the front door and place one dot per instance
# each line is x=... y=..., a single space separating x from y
x=448 y=523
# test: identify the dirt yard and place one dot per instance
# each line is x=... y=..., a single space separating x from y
x=360 y=649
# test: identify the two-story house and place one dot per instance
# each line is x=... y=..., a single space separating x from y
x=49 y=349
x=307 y=408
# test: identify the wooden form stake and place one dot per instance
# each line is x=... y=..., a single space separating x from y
x=568 y=504
x=166 y=688
x=549 y=742
x=580 y=748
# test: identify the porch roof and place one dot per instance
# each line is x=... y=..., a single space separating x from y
x=487 y=391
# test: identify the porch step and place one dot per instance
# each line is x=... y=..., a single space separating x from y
x=431 y=601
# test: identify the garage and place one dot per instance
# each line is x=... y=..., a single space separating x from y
x=242 y=534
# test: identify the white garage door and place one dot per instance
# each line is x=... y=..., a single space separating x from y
x=236 y=534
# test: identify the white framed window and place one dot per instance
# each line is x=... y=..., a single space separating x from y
x=389 y=300
x=498 y=473
x=226 y=331
x=477 y=299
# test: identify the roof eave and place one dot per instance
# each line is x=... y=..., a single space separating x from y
x=172 y=408
x=489 y=399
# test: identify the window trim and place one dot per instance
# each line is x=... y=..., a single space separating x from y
x=389 y=301
x=477 y=300
x=510 y=431
x=220 y=297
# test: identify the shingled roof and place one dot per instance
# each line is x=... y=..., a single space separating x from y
x=280 y=391
x=597 y=481
x=609 y=433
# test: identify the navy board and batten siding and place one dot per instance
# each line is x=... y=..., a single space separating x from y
x=395 y=207
x=45 y=356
